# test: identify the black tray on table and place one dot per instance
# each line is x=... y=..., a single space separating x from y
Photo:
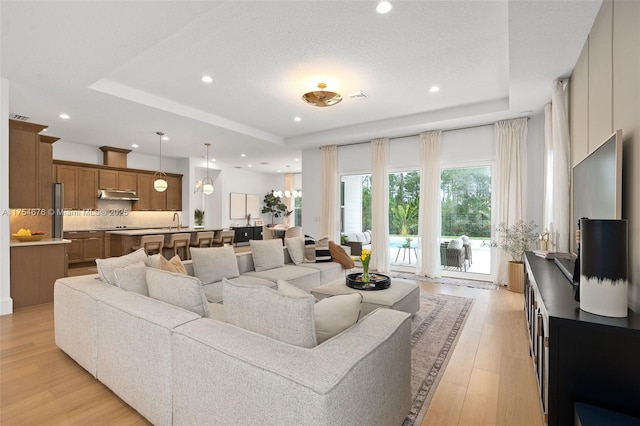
x=376 y=282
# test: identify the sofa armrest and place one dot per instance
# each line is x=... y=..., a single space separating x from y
x=290 y=384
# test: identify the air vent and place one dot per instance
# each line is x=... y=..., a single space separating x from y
x=237 y=167
x=358 y=96
x=19 y=117
x=264 y=163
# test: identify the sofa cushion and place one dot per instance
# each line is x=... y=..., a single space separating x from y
x=213 y=291
x=301 y=276
x=465 y=239
x=177 y=289
x=173 y=265
x=290 y=290
x=367 y=237
x=267 y=254
x=322 y=250
x=339 y=255
x=361 y=238
x=270 y=313
x=455 y=244
x=335 y=314
x=295 y=247
x=107 y=266
x=132 y=278
x=211 y=264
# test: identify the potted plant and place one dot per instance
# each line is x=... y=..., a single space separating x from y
x=515 y=240
x=273 y=206
x=198 y=216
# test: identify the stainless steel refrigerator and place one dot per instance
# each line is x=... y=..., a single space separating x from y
x=58 y=209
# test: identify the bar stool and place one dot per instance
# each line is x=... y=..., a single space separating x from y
x=224 y=238
x=178 y=242
x=152 y=244
x=203 y=239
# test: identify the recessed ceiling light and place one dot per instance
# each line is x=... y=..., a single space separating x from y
x=297 y=119
x=213 y=159
x=64 y=116
x=279 y=171
x=383 y=7
x=207 y=79
x=44 y=130
x=165 y=138
x=249 y=165
x=297 y=159
x=243 y=155
x=134 y=145
x=434 y=89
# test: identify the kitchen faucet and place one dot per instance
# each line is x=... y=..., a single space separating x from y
x=176 y=216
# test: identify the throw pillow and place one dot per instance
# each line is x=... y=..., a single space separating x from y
x=295 y=246
x=107 y=266
x=339 y=255
x=177 y=289
x=211 y=264
x=335 y=314
x=132 y=278
x=153 y=261
x=265 y=311
x=288 y=289
x=267 y=254
x=322 y=250
x=455 y=244
x=173 y=265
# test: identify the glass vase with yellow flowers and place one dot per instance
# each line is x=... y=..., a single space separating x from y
x=365 y=257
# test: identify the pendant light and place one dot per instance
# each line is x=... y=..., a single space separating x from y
x=207 y=183
x=160 y=178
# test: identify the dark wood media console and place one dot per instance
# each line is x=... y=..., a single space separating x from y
x=578 y=356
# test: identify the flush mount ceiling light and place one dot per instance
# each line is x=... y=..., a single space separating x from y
x=207 y=183
x=159 y=177
x=322 y=98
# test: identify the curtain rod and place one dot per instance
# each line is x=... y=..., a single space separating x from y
x=418 y=134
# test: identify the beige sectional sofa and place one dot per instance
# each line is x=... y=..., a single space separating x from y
x=175 y=367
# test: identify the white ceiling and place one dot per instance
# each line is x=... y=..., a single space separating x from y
x=123 y=70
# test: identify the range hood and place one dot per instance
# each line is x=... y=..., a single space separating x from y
x=116 y=194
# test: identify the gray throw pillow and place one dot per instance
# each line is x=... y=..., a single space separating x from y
x=132 y=278
x=107 y=266
x=178 y=289
x=212 y=264
x=295 y=246
x=267 y=254
x=263 y=310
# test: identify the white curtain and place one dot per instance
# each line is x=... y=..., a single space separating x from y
x=430 y=215
x=561 y=169
x=329 y=182
x=380 y=258
x=510 y=186
x=547 y=213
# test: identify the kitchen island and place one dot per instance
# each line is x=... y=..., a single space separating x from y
x=123 y=240
x=35 y=267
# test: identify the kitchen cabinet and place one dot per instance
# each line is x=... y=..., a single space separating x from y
x=80 y=186
x=150 y=199
x=86 y=246
x=114 y=179
x=30 y=165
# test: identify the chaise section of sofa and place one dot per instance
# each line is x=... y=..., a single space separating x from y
x=360 y=376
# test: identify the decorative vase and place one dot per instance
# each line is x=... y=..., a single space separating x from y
x=365 y=275
x=604 y=279
x=516 y=277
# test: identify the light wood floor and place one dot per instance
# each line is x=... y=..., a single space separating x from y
x=488 y=381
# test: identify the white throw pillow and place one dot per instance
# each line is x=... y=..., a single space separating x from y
x=267 y=254
x=132 y=278
x=107 y=266
x=295 y=246
x=335 y=314
x=465 y=239
x=265 y=311
x=178 y=289
x=212 y=264
x=153 y=261
x=455 y=244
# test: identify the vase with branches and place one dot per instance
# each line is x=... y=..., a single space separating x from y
x=516 y=239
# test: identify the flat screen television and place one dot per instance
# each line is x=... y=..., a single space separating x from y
x=597 y=182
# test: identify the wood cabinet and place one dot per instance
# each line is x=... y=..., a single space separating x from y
x=86 y=246
x=34 y=271
x=150 y=199
x=174 y=193
x=30 y=166
x=578 y=356
x=80 y=186
x=114 y=179
x=246 y=233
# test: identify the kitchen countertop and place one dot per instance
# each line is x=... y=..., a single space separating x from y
x=42 y=242
x=137 y=232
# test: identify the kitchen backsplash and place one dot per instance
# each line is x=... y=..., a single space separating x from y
x=111 y=214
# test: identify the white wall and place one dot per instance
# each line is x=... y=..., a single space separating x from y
x=247 y=182
x=6 y=304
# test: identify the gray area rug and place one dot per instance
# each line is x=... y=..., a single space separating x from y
x=434 y=333
x=444 y=280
